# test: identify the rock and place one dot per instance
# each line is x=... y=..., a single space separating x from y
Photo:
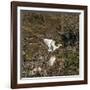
x=52 y=60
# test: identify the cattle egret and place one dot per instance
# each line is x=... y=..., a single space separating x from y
x=51 y=45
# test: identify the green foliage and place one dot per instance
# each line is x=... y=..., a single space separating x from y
x=71 y=63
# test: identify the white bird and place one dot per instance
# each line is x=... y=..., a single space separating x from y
x=51 y=45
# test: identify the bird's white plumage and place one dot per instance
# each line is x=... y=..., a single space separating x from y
x=51 y=45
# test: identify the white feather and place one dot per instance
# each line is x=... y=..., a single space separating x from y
x=51 y=45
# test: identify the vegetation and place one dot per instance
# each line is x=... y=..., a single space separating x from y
x=60 y=27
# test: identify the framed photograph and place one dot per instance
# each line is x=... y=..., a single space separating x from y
x=48 y=44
